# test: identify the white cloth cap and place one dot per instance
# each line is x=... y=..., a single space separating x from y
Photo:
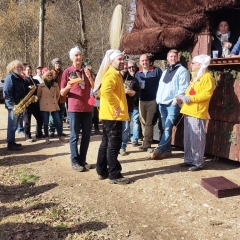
x=109 y=56
x=205 y=61
x=73 y=51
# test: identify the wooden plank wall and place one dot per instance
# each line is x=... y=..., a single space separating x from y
x=223 y=133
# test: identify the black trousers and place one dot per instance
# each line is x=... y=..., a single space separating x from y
x=95 y=118
x=107 y=161
x=33 y=109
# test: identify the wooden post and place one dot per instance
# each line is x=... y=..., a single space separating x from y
x=41 y=32
x=203 y=46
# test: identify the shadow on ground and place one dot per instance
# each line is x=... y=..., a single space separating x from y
x=41 y=231
x=18 y=192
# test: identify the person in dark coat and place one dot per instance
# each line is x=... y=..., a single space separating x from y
x=14 y=91
x=223 y=40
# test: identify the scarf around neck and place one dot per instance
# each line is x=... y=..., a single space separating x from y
x=49 y=84
x=223 y=37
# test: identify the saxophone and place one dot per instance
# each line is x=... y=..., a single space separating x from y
x=26 y=101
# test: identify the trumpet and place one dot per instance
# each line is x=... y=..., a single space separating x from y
x=26 y=101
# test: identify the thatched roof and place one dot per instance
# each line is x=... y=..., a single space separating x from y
x=163 y=24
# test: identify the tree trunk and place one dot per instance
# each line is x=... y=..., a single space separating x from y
x=41 y=32
x=83 y=40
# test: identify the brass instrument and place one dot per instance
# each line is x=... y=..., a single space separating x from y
x=26 y=101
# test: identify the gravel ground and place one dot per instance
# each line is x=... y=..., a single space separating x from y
x=163 y=201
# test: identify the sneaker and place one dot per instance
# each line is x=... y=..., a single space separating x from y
x=134 y=144
x=123 y=152
x=87 y=166
x=97 y=132
x=40 y=136
x=195 y=168
x=185 y=165
x=22 y=134
x=30 y=140
x=156 y=154
x=77 y=167
x=13 y=147
x=47 y=140
x=18 y=144
x=102 y=177
x=122 y=180
x=62 y=139
x=52 y=135
x=143 y=148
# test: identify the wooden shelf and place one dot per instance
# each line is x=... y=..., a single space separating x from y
x=225 y=61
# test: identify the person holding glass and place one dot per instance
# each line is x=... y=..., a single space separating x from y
x=222 y=40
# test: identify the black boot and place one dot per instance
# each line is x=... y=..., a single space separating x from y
x=12 y=146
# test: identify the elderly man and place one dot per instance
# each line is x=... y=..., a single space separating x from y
x=195 y=110
x=148 y=77
x=174 y=81
x=57 y=75
x=113 y=110
x=79 y=111
x=14 y=91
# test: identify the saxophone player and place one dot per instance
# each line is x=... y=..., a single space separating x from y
x=32 y=109
x=14 y=91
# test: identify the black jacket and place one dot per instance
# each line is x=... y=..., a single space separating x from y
x=132 y=83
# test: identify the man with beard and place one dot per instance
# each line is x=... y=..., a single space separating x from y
x=14 y=91
x=113 y=110
x=32 y=109
x=57 y=75
x=174 y=81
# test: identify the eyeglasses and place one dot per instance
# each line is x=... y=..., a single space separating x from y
x=131 y=67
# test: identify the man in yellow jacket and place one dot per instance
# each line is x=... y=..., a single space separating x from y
x=195 y=109
x=113 y=110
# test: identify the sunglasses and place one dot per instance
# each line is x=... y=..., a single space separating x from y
x=131 y=67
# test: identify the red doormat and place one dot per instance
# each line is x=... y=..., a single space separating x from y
x=220 y=187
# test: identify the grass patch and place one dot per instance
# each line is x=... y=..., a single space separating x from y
x=26 y=178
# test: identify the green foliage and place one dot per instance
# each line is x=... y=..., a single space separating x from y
x=230 y=136
x=26 y=178
x=185 y=56
x=216 y=75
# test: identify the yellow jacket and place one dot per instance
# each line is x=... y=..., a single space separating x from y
x=199 y=102
x=112 y=96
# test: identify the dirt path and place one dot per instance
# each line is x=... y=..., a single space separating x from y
x=163 y=200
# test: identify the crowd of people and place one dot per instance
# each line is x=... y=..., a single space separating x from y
x=124 y=95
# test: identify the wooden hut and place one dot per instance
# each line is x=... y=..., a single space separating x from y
x=188 y=25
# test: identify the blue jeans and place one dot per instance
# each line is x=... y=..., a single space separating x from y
x=56 y=120
x=169 y=114
x=13 y=121
x=126 y=132
x=135 y=124
x=20 y=123
x=51 y=121
x=77 y=120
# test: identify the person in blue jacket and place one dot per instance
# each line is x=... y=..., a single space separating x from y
x=14 y=91
x=174 y=82
x=236 y=49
